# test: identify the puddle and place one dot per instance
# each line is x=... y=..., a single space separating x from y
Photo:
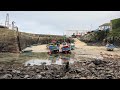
x=36 y=58
x=53 y=59
x=37 y=62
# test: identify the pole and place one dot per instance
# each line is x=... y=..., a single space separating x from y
x=18 y=40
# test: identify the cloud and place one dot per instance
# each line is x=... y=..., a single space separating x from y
x=56 y=22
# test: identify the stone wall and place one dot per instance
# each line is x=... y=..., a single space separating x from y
x=8 y=42
x=12 y=41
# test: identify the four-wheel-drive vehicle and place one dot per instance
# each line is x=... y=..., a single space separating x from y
x=110 y=47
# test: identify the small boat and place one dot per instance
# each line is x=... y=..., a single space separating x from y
x=72 y=45
x=66 y=48
x=26 y=51
x=53 y=48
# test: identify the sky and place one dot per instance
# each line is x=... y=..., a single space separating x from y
x=56 y=22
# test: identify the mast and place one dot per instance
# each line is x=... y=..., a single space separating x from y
x=7 y=20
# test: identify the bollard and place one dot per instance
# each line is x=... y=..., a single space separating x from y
x=67 y=66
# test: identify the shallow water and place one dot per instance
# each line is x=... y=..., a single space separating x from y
x=51 y=60
x=32 y=58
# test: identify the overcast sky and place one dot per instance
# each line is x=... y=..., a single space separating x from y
x=56 y=22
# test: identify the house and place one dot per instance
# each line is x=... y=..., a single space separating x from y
x=1 y=26
x=105 y=26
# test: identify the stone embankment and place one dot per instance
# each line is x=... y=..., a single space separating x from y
x=13 y=41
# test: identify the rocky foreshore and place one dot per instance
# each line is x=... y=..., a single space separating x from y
x=95 y=69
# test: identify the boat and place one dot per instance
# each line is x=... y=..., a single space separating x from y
x=53 y=48
x=66 y=48
x=72 y=46
x=26 y=51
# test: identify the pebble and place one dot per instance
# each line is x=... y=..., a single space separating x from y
x=83 y=78
x=6 y=76
x=26 y=76
x=15 y=71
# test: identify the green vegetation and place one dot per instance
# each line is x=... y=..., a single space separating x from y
x=112 y=36
x=95 y=36
x=115 y=28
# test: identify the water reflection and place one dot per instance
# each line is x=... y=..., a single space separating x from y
x=52 y=59
x=36 y=58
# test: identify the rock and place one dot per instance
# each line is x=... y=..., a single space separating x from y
x=46 y=68
x=43 y=73
x=6 y=76
x=26 y=76
x=97 y=61
x=82 y=69
x=15 y=71
x=83 y=64
x=28 y=64
x=16 y=77
x=78 y=71
x=77 y=76
x=91 y=65
x=65 y=77
x=1 y=69
x=43 y=63
x=110 y=72
x=107 y=69
x=57 y=76
x=109 y=77
x=38 y=76
x=83 y=78
x=90 y=77
x=100 y=68
x=37 y=70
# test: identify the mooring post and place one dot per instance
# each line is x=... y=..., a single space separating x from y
x=67 y=66
x=18 y=40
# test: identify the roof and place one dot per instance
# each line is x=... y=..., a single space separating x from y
x=1 y=26
x=105 y=24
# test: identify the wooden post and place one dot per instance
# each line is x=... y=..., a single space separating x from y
x=18 y=40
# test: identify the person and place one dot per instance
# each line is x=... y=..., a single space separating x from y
x=58 y=43
x=104 y=41
x=107 y=44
